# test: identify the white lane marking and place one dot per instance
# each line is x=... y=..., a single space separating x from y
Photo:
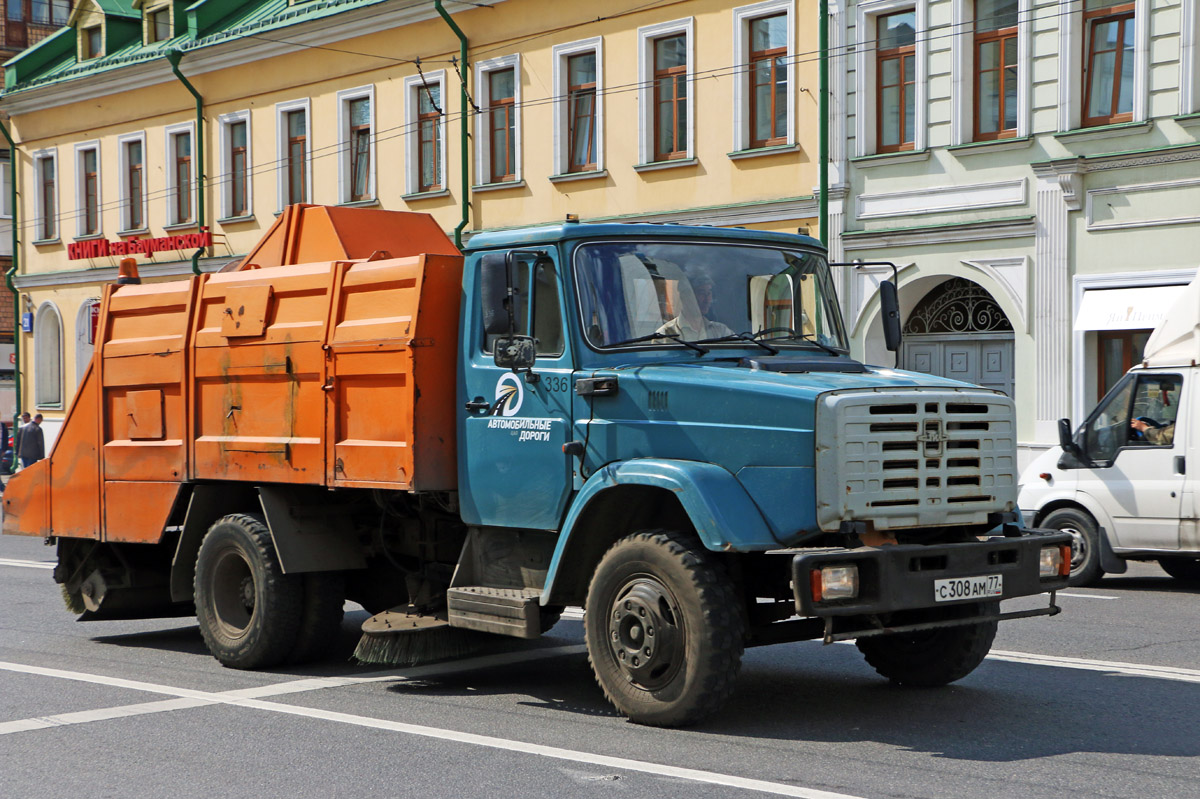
x=1087 y=596
x=189 y=698
x=28 y=564
x=1127 y=669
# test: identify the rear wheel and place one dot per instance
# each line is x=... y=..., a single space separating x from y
x=320 y=616
x=931 y=658
x=664 y=633
x=1182 y=568
x=248 y=609
x=1085 y=543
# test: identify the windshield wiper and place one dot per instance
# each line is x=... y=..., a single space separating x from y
x=752 y=338
x=678 y=339
x=790 y=333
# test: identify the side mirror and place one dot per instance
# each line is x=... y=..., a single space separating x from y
x=890 y=303
x=515 y=352
x=494 y=288
x=1066 y=440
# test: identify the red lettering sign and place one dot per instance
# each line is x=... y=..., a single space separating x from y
x=103 y=248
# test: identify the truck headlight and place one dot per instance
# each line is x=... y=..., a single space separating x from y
x=834 y=582
x=1055 y=561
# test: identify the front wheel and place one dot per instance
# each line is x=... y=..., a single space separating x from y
x=932 y=658
x=1085 y=543
x=249 y=611
x=664 y=632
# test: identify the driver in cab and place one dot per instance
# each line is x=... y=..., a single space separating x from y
x=694 y=324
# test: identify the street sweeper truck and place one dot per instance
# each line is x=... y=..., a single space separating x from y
x=661 y=424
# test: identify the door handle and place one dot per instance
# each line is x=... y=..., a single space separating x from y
x=1180 y=464
x=478 y=404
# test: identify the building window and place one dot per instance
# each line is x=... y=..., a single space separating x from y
x=1108 y=69
x=87 y=164
x=133 y=185
x=86 y=322
x=666 y=113
x=92 y=43
x=768 y=81
x=996 y=69
x=294 y=152
x=41 y=12
x=579 y=107
x=356 y=164
x=48 y=357
x=158 y=25
x=670 y=98
x=181 y=175
x=424 y=114
x=235 y=164
x=60 y=11
x=895 y=78
x=45 y=170
x=502 y=143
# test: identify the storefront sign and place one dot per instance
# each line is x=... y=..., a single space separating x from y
x=102 y=248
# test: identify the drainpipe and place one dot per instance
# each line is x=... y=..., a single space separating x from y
x=8 y=279
x=173 y=58
x=823 y=120
x=465 y=148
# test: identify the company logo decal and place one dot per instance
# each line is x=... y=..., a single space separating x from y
x=510 y=394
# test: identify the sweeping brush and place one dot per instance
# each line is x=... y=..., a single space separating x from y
x=73 y=600
x=404 y=637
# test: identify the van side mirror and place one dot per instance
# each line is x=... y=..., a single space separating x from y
x=1066 y=440
x=890 y=303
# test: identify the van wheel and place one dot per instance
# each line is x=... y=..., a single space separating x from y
x=932 y=658
x=663 y=627
x=1182 y=568
x=249 y=610
x=1085 y=543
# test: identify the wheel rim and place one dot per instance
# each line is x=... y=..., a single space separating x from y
x=1079 y=547
x=645 y=633
x=233 y=593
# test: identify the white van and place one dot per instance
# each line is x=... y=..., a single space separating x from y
x=1120 y=483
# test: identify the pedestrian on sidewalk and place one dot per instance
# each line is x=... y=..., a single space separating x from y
x=33 y=444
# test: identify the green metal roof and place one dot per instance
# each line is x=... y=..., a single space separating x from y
x=209 y=22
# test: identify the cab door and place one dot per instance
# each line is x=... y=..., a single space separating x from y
x=512 y=468
x=1138 y=476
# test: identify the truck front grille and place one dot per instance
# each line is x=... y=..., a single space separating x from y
x=914 y=458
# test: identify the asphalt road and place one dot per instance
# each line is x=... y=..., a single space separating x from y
x=1100 y=701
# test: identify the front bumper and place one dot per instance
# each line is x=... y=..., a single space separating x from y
x=897 y=578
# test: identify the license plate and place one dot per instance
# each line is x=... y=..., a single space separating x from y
x=962 y=588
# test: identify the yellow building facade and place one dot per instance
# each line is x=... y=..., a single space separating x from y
x=700 y=112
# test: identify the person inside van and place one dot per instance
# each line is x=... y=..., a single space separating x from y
x=1152 y=432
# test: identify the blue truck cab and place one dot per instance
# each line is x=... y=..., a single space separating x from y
x=663 y=424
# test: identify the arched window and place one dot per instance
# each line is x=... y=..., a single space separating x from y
x=957 y=306
x=85 y=337
x=48 y=357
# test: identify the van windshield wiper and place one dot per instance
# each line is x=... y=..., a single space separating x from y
x=678 y=339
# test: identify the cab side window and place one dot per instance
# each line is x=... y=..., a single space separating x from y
x=537 y=312
x=1155 y=409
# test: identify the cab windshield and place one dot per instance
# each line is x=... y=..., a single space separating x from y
x=651 y=294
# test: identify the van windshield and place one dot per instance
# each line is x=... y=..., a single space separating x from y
x=664 y=293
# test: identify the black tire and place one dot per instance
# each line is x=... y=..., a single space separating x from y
x=1085 y=543
x=248 y=609
x=1182 y=568
x=663 y=585
x=320 y=617
x=548 y=616
x=932 y=658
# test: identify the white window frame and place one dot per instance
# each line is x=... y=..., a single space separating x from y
x=123 y=170
x=224 y=121
x=83 y=348
x=1189 y=78
x=281 y=149
x=146 y=12
x=483 y=97
x=39 y=212
x=866 y=105
x=40 y=357
x=6 y=175
x=344 y=98
x=413 y=84
x=646 y=38
x=742 y=17
x=80 y=197
x=962 y=48
x=1070 y=66
x=170 y=132
x=561 y=55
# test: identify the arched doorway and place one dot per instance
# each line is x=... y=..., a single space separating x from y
x=958 y=331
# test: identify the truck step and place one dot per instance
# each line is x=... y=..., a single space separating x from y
x=505 y=611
